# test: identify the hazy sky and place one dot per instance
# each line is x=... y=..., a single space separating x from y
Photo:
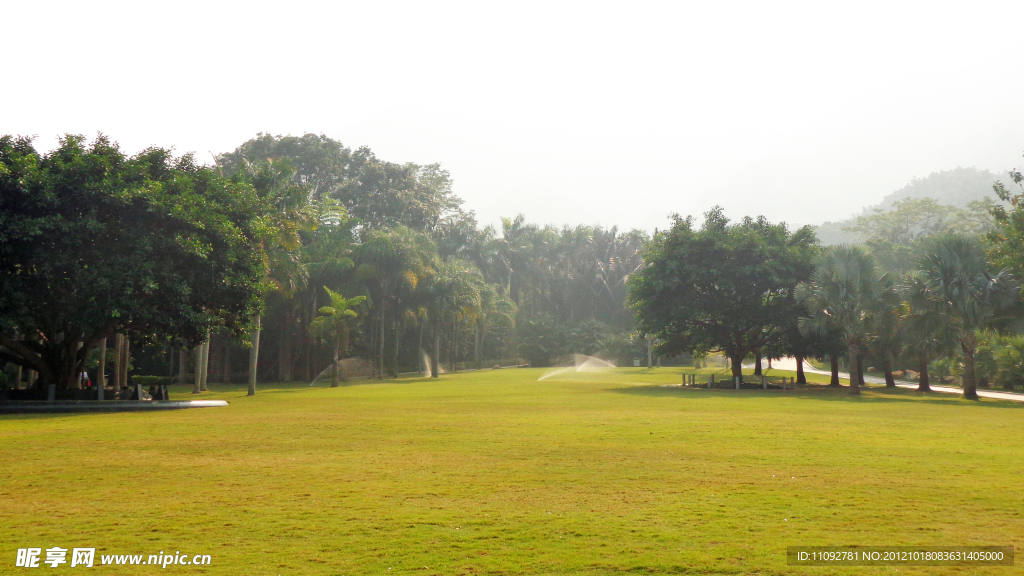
x=583 y=112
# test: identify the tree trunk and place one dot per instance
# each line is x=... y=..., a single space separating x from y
x=117 y=362
x=923 y=384
x=197 y=374
x=254 y=354
x=860 y=370
x=737 y=366
x=970 y=383
x=649 y=364
x=307 y=364
x=380 y=350
x=890 y=382
x=101 y=371
x=399 y=331
x=435 y=364
x=334 y=368
x=757 y=364
x=225 y=376
x=125 y=360
x=206 y=363
x=76 y=382
x=854 y=370
x=17 y=377
x=420 y=351
x=476 y=344
x=801 y=378
x=455 y=347
x=834 y=365
x=284 y=357
x=170 y=364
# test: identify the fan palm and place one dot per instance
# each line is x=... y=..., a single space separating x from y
x=959 y=286
x=841 y=295
x=927 y=332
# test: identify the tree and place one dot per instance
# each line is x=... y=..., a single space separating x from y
x=454 y=288
x=95 y=243
x=887 y=327
x=1006 y=241
x=333 y=325
x=896 y=236
x=927 y=331
x=960 y=286
x=288 y=216
x=722 y=287
x=841 y=296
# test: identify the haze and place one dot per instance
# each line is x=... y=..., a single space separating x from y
x=610 y=113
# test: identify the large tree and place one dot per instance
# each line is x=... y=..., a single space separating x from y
x=724 y=286
x=95 y=243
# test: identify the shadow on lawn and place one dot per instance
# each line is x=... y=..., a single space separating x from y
x=824 y=393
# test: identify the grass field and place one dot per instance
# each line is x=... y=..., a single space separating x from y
x=497 y=473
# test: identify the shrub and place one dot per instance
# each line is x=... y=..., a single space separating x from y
x=147 y=381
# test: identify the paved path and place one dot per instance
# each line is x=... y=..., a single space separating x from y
x=790 y=364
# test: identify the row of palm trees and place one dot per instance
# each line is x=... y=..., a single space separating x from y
x=931 y=311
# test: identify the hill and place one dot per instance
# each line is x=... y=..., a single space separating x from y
x=957 y=187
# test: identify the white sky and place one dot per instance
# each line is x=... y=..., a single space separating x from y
x=583 y=112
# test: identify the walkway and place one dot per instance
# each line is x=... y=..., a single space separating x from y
x=790 y=364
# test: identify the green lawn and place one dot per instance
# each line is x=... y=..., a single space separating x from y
x=497 y=473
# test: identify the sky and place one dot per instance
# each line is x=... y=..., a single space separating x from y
x=568 y=112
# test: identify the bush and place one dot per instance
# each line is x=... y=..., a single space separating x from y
x=151 y=380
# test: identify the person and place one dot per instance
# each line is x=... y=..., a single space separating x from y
x=84 y=377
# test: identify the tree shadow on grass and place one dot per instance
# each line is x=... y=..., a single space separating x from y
x=821 y=393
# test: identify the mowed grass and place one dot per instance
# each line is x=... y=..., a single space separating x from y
x=496 y=473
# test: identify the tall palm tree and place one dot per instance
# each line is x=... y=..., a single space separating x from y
x=841 y=296
x=333 y=325
x=454 y=290
x=274 y=180
x=959 y=286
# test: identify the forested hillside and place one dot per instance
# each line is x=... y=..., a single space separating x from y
x=957 y=188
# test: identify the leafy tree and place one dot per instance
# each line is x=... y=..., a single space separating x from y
x=959 y=285
x=1007 y=239
x=333 y=325
x=94 y=243
x=895 y=236
x=721 y=287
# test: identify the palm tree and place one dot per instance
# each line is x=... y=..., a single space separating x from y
x=291 y=214
x=495 y=308
x=959 y=286
x=454 y=290
x=841 y=296
x=886 y=327
x=390 y=261
x=333 y=325
x=927 y=331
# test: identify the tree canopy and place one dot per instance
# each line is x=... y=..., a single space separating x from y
x=727 y=287
x=93 y=243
